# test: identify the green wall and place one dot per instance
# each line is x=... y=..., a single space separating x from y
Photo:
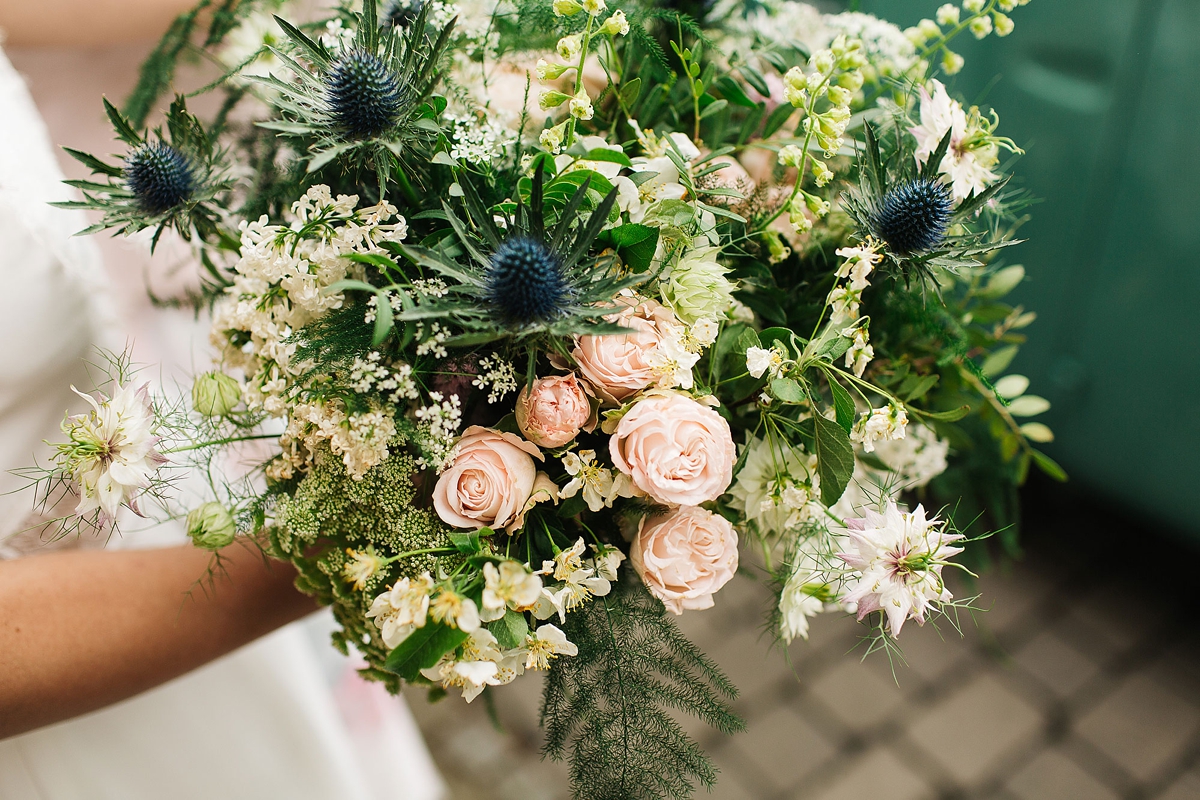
x=1105 y=97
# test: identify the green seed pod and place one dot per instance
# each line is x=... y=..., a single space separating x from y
x=215 y=394
x=211 y=526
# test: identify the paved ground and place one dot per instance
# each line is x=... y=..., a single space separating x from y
x=1081 y=683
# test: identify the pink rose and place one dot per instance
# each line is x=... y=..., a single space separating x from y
x=489 y=483
x=619 y=364
x=685 y=556
x=674 y=449
x=554 y=412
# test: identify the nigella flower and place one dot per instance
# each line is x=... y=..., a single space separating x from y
x=524 y=281
x=111 y=453
x=899 y=556
x=364 y=95
x=159 y=176
x=914 y=216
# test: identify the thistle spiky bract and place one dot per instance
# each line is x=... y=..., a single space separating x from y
x=525 y=281
x=402 y=13
x=913 y=217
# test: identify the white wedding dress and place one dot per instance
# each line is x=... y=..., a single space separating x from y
x=264 y=722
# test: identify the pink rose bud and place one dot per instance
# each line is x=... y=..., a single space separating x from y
x=553 y=413
x=674 y=449
x=685 y=556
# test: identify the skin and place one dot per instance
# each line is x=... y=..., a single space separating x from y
x=87 y=22
x=82 y=630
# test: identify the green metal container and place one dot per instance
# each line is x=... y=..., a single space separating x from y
x=1105 y=97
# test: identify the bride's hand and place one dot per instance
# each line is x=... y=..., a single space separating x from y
x=87 y=22
x=81 y=630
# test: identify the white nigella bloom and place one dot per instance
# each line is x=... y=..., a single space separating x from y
x=806 y=592
x=973 y=152
x=111 y=451
x=886 y=422
x=760 y=361
x=511 y=585
x=451 y=608
x=899 y=556
x=401 y=609
x=601 y=486
x=775 y=485
x=545 y=644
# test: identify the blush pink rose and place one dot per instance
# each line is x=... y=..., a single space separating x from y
x=554 y=411
x=685 y=556
x=619 y=364
x=490 y=481
x=674 y=449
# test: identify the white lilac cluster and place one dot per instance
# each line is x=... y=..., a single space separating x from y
x=280 y=283
x=395 y=380
x=361 y=439
x=437 y=430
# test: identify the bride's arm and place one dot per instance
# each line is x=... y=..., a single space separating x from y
x=87 y=22
x=81 y=630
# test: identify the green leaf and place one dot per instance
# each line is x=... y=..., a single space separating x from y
x=998 y=361
x=1028 y=405
x=835 y=458
x=384 y=321
x=953 y=415
x=1049 y=466
x=611 y=156
x=630 y=91
x=125 y=131
x=779 y=116
x=843 y=405
x=1037 y=432
x=422 y=649
x=788 y=390
x=934 y=162
x=921 y=387
x=466 y=542
x=755 y=79
x=713 y=108
x=510 y=630
x=733 y=92
x=1003 y=282
x=93 y=163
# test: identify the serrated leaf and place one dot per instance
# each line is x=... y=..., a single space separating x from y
x=835 y=458
x=934 y=162
x=422 y=649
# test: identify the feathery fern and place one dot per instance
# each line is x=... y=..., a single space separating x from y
x=608 y=706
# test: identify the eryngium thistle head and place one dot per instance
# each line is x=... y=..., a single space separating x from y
x=159 y=176
x=525 y=281
x=401 y=13
x=914 y=216
x=363 y=94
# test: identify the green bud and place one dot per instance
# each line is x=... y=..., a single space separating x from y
x=211 y=526
x=215 y=394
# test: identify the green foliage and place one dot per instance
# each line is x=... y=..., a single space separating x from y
x=608 y=708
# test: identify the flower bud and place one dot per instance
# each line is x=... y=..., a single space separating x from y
x=595 y=7
x=551 y=72
x=816 y=205
x=566 y=8
x=616 y=25
x=822 y=61
x=840 y=96
x=215 y=394
x=852 y=80
x=952 y=63
x=552 y=99
x=1004 y=24
x=211 y=526
x=947 y=14
x=929 y=29
x=791 y=156
x=569 y=47
x=981 y=27
x=794 y=78
x=552 y=138
x=973 y=6
x=581 y=105
x=821 y=173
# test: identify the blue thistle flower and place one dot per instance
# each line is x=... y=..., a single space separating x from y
x=401 y=13
x=914 y=216
x=159 y=176
x=525 y=281
x=363 y=95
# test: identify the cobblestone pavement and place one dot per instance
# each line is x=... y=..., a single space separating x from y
x=1078 y=684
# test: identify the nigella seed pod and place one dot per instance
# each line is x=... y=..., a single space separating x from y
x=525 y=281
x=159 y=176
x=401 y=13
x=914 y=216
x=363 y=94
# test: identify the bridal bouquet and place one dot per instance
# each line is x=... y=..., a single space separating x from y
x=531 y=315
